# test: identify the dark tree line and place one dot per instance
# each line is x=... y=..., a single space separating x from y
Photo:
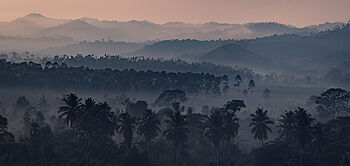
x=87 y=132
x=96 y=135
x=60 y=76
x=137 y=63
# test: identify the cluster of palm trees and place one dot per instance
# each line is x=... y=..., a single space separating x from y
x=97 y=120
x=92 y=120
x=297 y=129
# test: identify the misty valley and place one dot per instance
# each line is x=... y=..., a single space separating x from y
x=87 y=92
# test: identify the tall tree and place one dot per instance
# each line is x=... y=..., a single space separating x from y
x=319 y=140
x=302 y=129
x=168 y=97
x=126 y=127
x=215 y=130
x=96 y=121
x=176 y=131
x=231 y=126
x=286 y=127
x=260 y=124
x=5 y=136
x=71 y=108
x=332 y=102
x=251 y=84
x=238 y=81
x=148 y=125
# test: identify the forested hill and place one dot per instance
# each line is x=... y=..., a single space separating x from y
x=55 y=76
x=278 y=53
x=137 y=63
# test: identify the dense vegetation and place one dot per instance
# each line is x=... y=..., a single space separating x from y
x=121 y=63
x=85 y=132
x=60 y=76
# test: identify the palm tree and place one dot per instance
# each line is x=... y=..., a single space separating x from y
x=286 y=127
x=96 y=120
x=231 y=126
x=215 y=130
x=89 y=104
x=149 y=125
x=260 y=123
x=302 y=129
x=176 y=131
x=319 y=140
x=126 y=127
x=71 y=108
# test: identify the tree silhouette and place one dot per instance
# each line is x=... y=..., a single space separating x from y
x=302 y=129
x=22 y=102
x=71 y=108
x=286 y=127
x=215 y=130
x=126 y=127
x=176 y=131
x=332 y=102
x=260 y=124
x=231 y=126
x=251 y=84
x=96 y=121
x=319 y=140
x=168 y=97
x=267 y=93
x=238 y=81
x=148 y=125
x=234 y=106
x=5 y=136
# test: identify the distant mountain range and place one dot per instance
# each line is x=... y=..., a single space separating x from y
x=310 y=54
x=262 y=46
x=36 y=26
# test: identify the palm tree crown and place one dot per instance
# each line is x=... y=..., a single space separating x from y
x=260 y=123
x=126 y=127
x=286 y=126
x=71 y=109
x=215 y=130
x=303 y=127
x=176 y=131
x=149 y=125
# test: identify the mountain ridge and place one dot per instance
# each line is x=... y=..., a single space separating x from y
x=35 y=24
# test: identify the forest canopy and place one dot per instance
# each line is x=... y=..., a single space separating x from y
x=60 y=76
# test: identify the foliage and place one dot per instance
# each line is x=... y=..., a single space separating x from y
x=260 y=124
x=57 y=76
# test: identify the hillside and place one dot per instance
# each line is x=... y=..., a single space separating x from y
x=185 y=49
x=277 y=53
x=141 y=31
x=233 y=54
x=97 y=47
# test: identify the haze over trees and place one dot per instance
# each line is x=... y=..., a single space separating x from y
x=88 y=92
x=90 y=132
x=57 y=76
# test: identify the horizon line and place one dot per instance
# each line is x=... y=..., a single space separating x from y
x=172 y=21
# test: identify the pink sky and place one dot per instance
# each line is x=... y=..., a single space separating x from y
x=294 y=12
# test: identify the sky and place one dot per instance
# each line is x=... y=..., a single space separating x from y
x=293 y=12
